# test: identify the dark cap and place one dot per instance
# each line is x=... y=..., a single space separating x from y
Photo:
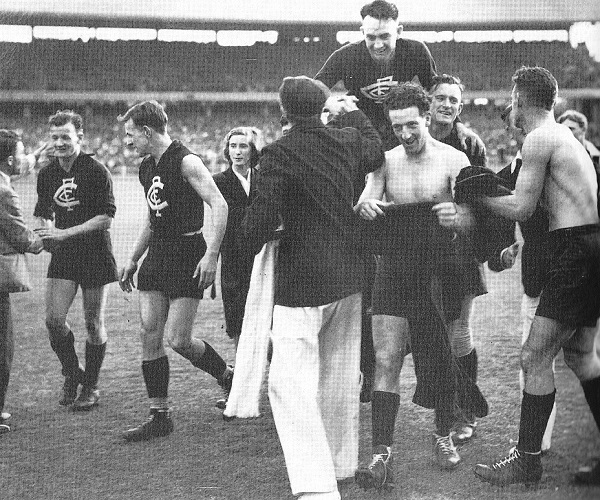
x=302 y=96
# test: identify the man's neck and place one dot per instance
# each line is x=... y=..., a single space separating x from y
x=440 y=131
x=67 y=163
x=537 y=118
x=161 y=144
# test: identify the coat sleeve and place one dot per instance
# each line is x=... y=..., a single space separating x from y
x=369 y=142
x=13 y=230
x=263 y=216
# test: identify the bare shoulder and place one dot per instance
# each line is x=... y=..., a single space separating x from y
x=192 y=164
x=548 y=135
x=395 y=156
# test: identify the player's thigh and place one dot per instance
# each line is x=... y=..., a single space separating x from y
x=154 y=308
x=546 y=338
x=94 y=303
x=390 y=336
x=59 y=297
x=180 y=320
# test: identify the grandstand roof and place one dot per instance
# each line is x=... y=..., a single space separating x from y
x=442 y=14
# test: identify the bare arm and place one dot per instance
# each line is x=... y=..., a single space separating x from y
x=369 y=204
x=53 y=234
x=520 y=205
x=196 y=173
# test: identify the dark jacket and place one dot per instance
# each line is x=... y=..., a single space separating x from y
x=236 y=262
x=307 y=179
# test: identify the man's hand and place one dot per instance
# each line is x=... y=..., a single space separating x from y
x=447 y=214
x=51 y=237
x=477 y=145
x=371 y=209
x=126 y=276
x=339 y=105
x=509 y=255
x=207 y=270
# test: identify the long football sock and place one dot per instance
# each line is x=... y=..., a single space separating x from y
x=535 y=412
x=384 y=409
x=64 y=347
x=156 y=377
x=210 y=362
x=94 y=357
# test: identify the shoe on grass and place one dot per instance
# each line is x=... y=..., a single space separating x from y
x=517 y=467
x=444 y=452
x=463 y=432
x=87 y=399
x=378 y=473
x=225 y=383
x=158 y=424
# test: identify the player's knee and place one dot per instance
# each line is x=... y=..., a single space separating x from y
x=527 y=361
x=178 y=344
x=387 y=360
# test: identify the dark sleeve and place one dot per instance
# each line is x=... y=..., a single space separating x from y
x=105 y=201
x=369 y=144
x=262 y=217
x=332 y=71
x=500 y=236
x=43 y=206
x=12 y=226
x=427 y=68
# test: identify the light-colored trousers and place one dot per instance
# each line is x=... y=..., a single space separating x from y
x=528 y=307
x=314 y=391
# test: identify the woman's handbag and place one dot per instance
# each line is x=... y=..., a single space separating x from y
x=14 y=276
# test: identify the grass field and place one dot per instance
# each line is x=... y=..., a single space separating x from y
x=54 y=453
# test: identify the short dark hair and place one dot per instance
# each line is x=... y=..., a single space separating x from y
x=380 y=9
x=538 y=86
x=575 y=116
x=147 y=114
x=64 y=116
x=252 y=134
x=407 y=95
x=438 y=80
x=302 y=96
x=8 y=143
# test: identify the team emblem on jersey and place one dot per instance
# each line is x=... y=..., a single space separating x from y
x=154 y=196
x=377 y=91
x=64 y=196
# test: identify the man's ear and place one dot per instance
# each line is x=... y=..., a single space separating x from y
x=460 y=108
x=147 y=131
x=400 y=29
x=10 y=160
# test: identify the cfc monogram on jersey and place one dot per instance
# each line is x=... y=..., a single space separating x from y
x=65 y=194
x=154 y=196
x=379 y=90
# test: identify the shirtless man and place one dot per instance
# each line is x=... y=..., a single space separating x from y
x=417 y=180
x=557 y=171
